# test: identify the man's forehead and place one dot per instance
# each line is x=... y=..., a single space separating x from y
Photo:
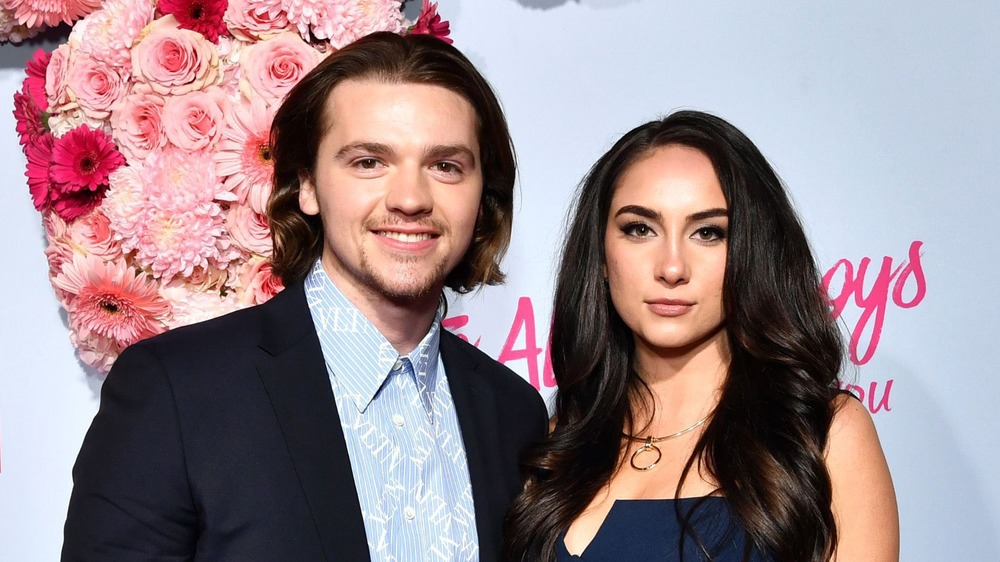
x=367 y=88
x=364 y=104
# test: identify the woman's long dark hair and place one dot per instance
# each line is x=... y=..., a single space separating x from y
x=765 y=441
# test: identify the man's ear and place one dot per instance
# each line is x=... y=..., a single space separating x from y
x=308 y=202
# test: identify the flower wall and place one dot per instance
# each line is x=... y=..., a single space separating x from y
x=146 y=139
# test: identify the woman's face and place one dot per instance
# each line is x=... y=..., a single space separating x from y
x=665 y=245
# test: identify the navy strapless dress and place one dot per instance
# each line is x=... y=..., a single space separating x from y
x=651 y=530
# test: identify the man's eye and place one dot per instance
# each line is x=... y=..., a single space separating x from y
x=367 y=163
x=446 y=168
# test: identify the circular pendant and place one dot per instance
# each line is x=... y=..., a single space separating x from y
x=647 y=447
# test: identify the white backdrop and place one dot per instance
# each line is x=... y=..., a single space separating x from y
x=882 y=120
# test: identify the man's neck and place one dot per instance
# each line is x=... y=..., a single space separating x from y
x=403 y=322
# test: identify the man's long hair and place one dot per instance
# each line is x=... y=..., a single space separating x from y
x=301 y=122
x=765 y=441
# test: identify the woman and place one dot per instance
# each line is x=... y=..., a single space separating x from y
x=697 y=363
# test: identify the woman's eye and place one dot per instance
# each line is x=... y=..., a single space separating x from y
x=637 y=229
x=710 y=233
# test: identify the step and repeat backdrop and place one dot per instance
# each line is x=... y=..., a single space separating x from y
x=882 y=118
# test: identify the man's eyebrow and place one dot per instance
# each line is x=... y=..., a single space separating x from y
x=644 y=212
x=372 y=148
x=451 y=151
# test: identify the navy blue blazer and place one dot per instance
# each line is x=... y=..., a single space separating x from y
x=221 y=441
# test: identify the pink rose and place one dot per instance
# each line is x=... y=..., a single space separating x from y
x=137 y=125
x=93 y=233
x=273 y=66
x=55 y=227
x=195 y=120
x=95 y=86
x=95 y=350
x=58 y=253
x=249 y=230
x=259 y=282
x=55 y=79
x=251 y=20
x=174 y=61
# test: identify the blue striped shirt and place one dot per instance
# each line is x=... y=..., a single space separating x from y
x=402 y=433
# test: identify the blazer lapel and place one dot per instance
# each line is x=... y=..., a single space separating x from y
x=295 y=378
x=475 y=406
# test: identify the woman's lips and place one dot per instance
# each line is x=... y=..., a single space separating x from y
x=669 y=307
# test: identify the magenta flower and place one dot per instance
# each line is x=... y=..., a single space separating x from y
x=39 y=154
x=29 y=118
x=83 y=159
x=430 y=23
x=203 y=16
x=35 y=82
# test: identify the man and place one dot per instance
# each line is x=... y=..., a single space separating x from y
x=338 y=421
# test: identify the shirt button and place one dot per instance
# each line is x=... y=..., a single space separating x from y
x=409 y=513
x=397 y=420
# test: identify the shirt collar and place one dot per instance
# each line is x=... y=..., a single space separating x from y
x=356 y=353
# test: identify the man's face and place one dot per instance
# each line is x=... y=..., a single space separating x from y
x=397 y=184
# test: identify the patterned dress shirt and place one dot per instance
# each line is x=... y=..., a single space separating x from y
x=402 y=433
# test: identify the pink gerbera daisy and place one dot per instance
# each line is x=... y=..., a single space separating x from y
x=39 y=154
x=35 y=13
x=203 y=16
x=83 y=158
x=244 y=155
x=108 y=299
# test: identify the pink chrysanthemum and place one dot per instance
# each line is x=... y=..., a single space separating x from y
x=109 y=299
x=203 y=16
x=364 y=17
x=343 y=21
x=430 y=23
x=39 y=155
x=179 y=225
x=29 y=118
x=108 y=34
x=244 y=155
x=35 y=82
x=36 y=13
x=308 y=16
x=83 y=158
x=190 y=306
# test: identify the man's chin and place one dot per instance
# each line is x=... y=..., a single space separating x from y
x=402 y=290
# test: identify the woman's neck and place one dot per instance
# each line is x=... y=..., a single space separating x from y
x=684 y=385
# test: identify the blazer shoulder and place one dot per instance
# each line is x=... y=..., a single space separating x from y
x=285 y=315
x=505 y=382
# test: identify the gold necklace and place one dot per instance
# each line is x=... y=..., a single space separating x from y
x=648 y=444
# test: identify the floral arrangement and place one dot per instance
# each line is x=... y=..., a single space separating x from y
x=146 y=138
x=24 y=19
